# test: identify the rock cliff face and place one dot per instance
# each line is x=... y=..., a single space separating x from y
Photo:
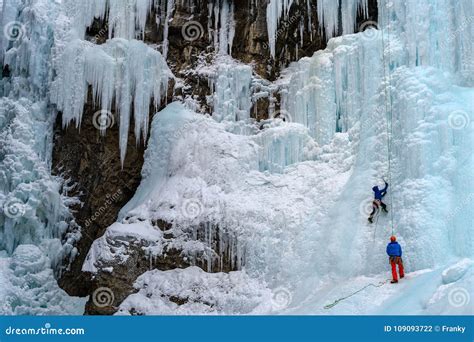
x=92 y=162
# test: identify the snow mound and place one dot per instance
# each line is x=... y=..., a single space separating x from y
x=457 y=271
x=193 y=291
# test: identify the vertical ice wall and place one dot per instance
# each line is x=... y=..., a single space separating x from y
x=435 y=33
x=37 y=230
x=231 y=91
x=381 y=84
x=283 y=144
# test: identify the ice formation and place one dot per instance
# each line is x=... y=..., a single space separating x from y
x=286 y=199
x=298 y=208
x=106 y=250
x=223 y=30
x=331 y=15
x=125 y=18
x=37 y=230
x=201 y=292
x=121 y=73
x=231 y=91
x=29 y=286
x=275 y=10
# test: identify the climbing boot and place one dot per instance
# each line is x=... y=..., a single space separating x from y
x=370 y=220
x=394 y=281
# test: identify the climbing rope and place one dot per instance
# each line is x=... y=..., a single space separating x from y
x=380 y=284
x=388 y=112
x=377 y=214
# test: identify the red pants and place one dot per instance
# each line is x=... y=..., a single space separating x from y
x=394 y=261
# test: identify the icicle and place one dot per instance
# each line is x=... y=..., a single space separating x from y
x=127 y=71
x=169 y=11
x=126 y=19
x=328 y=16
x=232 y=100
x=224 y=26
x=275 y=10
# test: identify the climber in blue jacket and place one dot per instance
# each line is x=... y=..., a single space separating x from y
x=394 y=251
x=377 y=203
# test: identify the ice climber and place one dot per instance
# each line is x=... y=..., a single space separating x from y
x=394 y=251
x=377 y=203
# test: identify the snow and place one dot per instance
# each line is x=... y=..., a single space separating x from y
x=293 y=194
x=201 y=293
x=121 y=73
x=419 y=293
x=285 y=200
x=457 y=271
x=103 y=252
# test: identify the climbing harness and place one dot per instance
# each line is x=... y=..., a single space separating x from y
x=380 y=284
x=388 y=111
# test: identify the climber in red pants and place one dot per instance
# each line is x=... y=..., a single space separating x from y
x=394 y=251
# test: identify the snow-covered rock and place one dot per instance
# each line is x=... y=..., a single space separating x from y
x=193 y=291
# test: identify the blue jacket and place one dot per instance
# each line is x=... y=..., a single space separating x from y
x=379 y=194
x=394 y=249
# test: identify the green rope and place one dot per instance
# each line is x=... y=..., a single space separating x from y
x=388 y=111
x=380 y=284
